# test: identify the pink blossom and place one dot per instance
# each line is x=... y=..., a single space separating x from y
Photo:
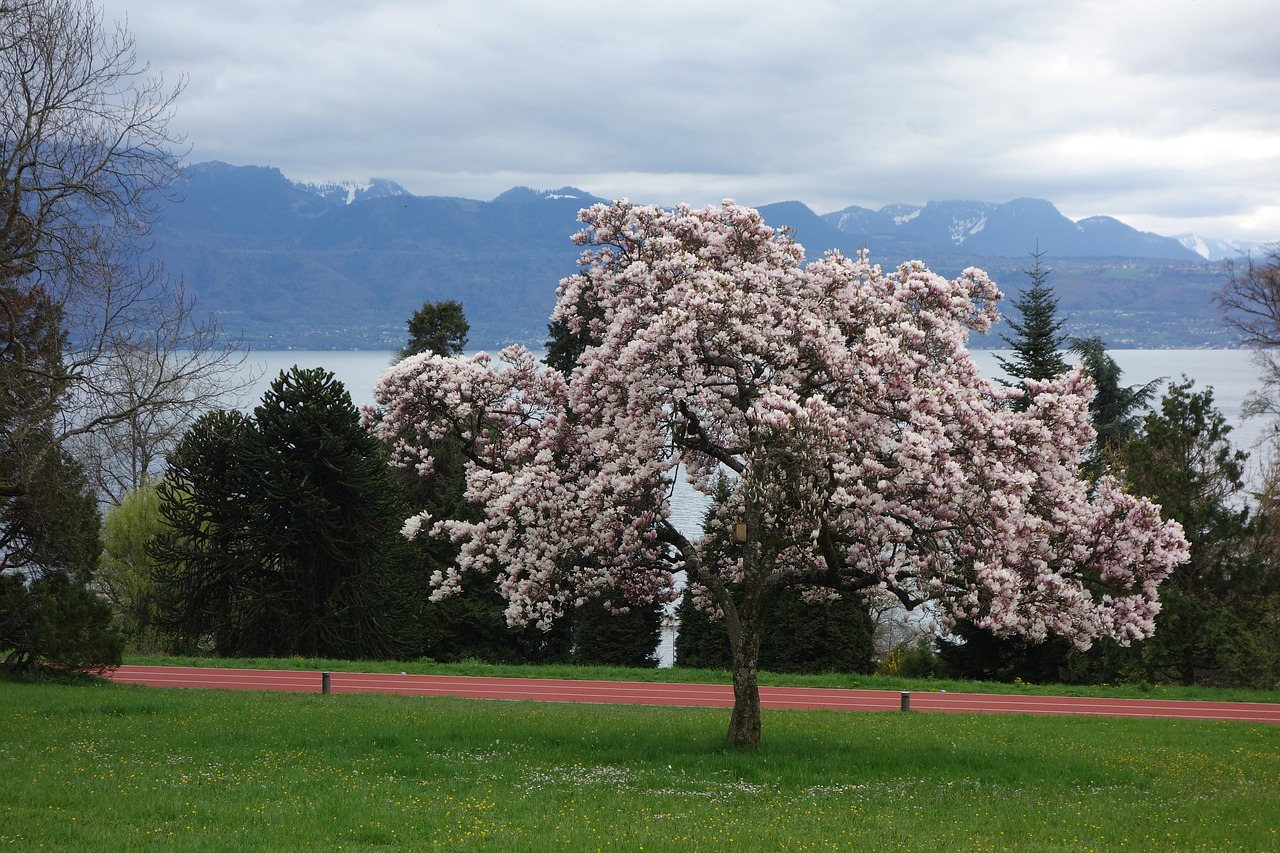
x=864 y=450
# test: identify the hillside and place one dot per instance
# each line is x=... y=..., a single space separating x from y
x=344 y=265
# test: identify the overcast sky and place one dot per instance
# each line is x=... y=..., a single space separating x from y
x=1163 y=113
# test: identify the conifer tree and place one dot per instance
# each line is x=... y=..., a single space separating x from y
x=1037 y=339
x=1185 y=462
x=1116 y=410
x=320 y=495
x=279 y=529
x=437 y=327
x=205 y=569
x=799 y=637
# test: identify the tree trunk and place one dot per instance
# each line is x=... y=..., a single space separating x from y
x=744 y=724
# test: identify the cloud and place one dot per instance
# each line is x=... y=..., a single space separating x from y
x=1158 y=112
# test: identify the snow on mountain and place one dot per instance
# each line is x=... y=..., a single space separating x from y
x=313 y=266
x=1009 y=229
x=1218 y=250
x=349 y=192
x=525 y=195
x=901 y=214
x=961 y=219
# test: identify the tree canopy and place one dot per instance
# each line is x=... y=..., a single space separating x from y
x=437 y=327
x=862 y=446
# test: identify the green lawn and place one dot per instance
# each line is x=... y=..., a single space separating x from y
x=113 y=767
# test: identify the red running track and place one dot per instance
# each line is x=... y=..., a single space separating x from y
x=705 y=695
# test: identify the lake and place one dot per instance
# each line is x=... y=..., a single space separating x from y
x=1231 y=374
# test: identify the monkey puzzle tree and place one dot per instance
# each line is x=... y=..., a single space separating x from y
x=864 y=449
x=277 y=528
x=321 y=493
x=205 y=567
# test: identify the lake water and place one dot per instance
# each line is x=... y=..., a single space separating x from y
x=1231 y=374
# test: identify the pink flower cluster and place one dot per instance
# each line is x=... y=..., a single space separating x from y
x=860 y=445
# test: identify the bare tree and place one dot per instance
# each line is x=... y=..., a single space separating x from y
x=147 y=392
x=96 y=346
x=1250 y=303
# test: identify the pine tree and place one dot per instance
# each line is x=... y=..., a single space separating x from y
x=437 y=327
x=49 y=614
x=1037 y=339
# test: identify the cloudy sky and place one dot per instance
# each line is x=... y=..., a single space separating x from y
x=1163 y=113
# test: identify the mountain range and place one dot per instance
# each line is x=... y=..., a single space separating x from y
x=343 y=265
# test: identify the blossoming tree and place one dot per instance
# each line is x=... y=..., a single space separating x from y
x=835 y=405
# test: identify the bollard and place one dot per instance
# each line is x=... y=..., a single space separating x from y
x=906 y=700
x=324 y=682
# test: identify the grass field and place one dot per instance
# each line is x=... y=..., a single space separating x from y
x=97 y=766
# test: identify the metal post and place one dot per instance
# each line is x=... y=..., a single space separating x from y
x=324 y=682
x=906 y=700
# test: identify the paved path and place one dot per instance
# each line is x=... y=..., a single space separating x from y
x=706 y=695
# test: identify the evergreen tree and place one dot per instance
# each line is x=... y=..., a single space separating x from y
x=1184 y=461
x=437 y=327
x=803 y=637
x=55 y=620
x=622 y=639
x=565 y=346
x=701 y=642
x=206 y=571
x=34 y=382
x=54 y=525
x=49 y=615
x=1116 y=410
x=1037 y=339
x=322 y=508
x=281 y=529
x=799 y=637
x=982 y=656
